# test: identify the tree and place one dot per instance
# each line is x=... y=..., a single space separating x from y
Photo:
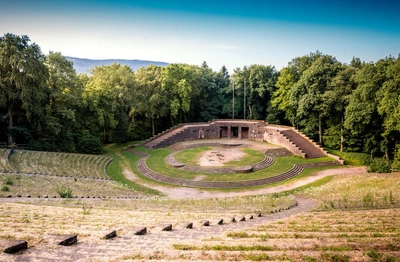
x=175 y=84
x=388 y=98
x=65 y=96
x=150 y=99
x=362 y=117
x=288 y=77
x=337 y=97
x=282 y=95
x=309 y=92
x=108 y=93
x=259 y=89
x=23 y=78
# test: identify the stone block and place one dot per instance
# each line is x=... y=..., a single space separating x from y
x=68 y=240
x=205 y=223
x=219 y=222
x=188 y=225
x=140 y=231
x=15 y=246
x=110 y=235
x=166 y=227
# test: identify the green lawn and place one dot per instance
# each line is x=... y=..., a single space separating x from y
x=123 y=160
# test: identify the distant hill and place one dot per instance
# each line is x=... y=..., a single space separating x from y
x=83 y=65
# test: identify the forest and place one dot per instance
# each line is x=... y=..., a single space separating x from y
x=46 y=105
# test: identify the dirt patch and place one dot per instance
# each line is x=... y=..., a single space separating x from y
x=219 y=157
x=129 y=174
x=278 y=152
x=199 y=178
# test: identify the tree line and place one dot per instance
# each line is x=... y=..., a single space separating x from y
x=44 y=103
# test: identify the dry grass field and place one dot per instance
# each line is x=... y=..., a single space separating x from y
x=355 y=235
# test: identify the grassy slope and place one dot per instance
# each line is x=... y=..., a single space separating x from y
x=125 y=161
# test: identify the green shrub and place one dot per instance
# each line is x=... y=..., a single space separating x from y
x=88 y=144
x=8 y=181
x=352 y=158
x=368 y=200
x=379 y=165
x=64 y=192
x=5 y=188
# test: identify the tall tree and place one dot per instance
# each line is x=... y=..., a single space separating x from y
x=337 y=97
x=309 y=93
x=176 y=79
x=362 y=117
x=108 y=94
x=65 y=93
x=288 y=77
x=23 y=78
x=260 y=86
x=388 y=97
x=150 y=99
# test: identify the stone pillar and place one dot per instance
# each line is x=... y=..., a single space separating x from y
x=240 y=132
x=229 y=132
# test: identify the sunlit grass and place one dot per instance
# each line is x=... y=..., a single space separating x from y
x=123 y=160
x=366 y=191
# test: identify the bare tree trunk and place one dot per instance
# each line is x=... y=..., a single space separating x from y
x=251 y=112
x=10 y=123
x=341 y=136
x=153 y=130
x=320 y=128
x=172 y=120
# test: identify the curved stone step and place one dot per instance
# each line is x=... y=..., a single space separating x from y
x=268 y=161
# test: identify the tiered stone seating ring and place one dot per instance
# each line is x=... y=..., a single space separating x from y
x=172 y=162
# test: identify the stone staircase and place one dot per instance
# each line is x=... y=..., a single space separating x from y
x=311 y=149
x=162 y=138
x=264 y=164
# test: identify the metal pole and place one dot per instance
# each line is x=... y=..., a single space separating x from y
x=244 y=99
x=233 y=101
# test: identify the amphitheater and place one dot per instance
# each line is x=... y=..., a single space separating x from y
x=140 y=229
x=257 y=130
x=231 y=133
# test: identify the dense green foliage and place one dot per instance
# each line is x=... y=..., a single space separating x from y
x=46 y=105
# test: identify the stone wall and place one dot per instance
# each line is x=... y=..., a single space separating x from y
x=272 y=135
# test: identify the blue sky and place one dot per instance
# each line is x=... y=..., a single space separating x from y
x=231 y=33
